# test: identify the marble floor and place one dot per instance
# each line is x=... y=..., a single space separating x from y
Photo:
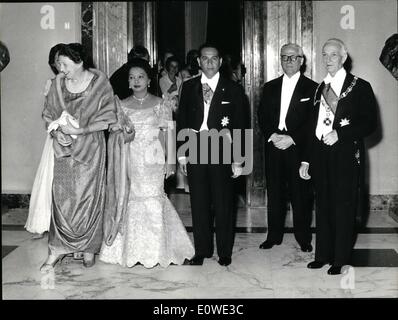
x=254 y=274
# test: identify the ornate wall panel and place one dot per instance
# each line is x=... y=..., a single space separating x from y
x=109 y=35
x=253 y=55
x=87 y=26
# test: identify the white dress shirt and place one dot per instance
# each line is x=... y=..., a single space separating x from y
x=288 y=85
x=213 y=85
x=336 y=83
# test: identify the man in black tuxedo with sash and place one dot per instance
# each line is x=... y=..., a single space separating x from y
x=208 y=105
x=283 y=119
x=344 y=114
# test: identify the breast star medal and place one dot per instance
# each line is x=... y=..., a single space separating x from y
x=224 y=121
x=344 y=122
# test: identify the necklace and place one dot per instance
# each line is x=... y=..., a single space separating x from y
x=342 y=95
x=141 y=100
x=327 y=121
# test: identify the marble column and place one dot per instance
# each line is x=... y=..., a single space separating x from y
x=87 y=26
x=109 y=35
x=141 y=25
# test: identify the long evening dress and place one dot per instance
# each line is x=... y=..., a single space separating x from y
x=78 y=191
x=153 y=232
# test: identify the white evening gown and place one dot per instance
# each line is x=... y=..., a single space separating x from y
x=153 y=232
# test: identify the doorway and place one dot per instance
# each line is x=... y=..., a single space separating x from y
x=183 y=26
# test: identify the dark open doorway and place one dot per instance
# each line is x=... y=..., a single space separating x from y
x=171 y=28
x=224 y=26
x=218 y=22
x=223 y=20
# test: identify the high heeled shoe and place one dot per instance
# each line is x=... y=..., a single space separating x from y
x=45 y=267
x=88 y=262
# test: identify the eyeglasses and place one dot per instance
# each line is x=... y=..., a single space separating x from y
x=291 y=58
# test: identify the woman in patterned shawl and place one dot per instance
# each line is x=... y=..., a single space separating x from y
x=82 y=96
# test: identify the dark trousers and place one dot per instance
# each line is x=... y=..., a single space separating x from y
x=211 y=185
x=336 y=177
x=283 y=183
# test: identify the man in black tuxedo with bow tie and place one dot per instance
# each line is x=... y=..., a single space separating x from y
x=283 y=119
x=210 y=105
x=343 y=115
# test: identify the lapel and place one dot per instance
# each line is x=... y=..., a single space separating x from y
x=218 y=94
x=347 y=81
x=296 y=94
x=276 y=99
x=199 y=94
x=278 y=92
x=317 y=99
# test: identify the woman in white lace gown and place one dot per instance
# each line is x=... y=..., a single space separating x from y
x=151 y=231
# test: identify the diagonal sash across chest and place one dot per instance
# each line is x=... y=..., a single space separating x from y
x=331 y=99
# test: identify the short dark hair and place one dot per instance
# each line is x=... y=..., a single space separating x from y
x=51 y=56
x=77 y=53
x=192 y=62
x=170 y=60
x=138 y=51
x=208 y=45
x=192 y=55
x=140 y=63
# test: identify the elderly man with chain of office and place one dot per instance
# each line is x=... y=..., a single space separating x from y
x=344 y=114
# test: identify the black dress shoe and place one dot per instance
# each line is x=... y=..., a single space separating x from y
x=307 y=247
x=267 y=244
x=223 y=261
x=316 y=264
x=196 y=261
x=334 y=270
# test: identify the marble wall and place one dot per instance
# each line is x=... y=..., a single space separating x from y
x=87 y=26
x=109 y=35
x=29 y=30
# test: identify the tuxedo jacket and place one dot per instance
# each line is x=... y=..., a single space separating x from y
x=120 y=82
x=298 y=114
x=228 y=108
x=355 y=118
